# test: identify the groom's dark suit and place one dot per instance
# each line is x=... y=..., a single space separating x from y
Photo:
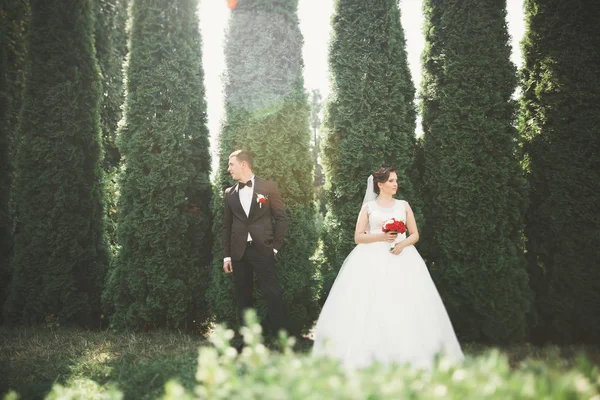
x=267 y=223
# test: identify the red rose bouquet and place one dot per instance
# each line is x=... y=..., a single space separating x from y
x=392 y=225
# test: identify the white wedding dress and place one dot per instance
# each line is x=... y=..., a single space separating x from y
x=385 y=307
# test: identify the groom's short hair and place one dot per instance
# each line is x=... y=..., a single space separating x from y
x=243 y=155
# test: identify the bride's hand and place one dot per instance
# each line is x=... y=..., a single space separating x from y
x=390 y=236
x=398 y=248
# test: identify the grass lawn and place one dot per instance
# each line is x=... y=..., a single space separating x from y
x=32 y=359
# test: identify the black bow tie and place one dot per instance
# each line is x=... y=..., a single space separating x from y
x=249 y=184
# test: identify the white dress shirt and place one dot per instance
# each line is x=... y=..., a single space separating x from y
x=246 y=200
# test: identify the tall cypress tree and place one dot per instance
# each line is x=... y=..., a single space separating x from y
x=14 y=20
x=369 y=119
x=16 y=16
x=473 y=185
x=159 y=277
x=60 y=254
x=267 y=113
x=561 y=127
x=5 y=174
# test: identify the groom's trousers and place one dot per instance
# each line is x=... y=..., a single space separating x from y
x=253 y=262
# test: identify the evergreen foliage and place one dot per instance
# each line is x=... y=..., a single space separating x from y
x=60 y=255
x=267 y=113
x=560 y=124
x=159 y=276
x=14 y=18
x=369 y=119
x=5 y=173
x=110 y=38
x=111 y=49
x=473 y=189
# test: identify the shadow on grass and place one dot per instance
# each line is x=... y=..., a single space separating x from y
x=33 y=359
x=144 y=377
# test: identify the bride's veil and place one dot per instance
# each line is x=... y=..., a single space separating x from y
x=369 y=193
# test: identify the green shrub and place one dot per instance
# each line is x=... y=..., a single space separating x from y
x=260 y=373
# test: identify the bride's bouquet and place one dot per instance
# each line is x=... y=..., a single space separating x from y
x=392 y=225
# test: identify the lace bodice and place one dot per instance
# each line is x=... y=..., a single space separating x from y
x=378 y=215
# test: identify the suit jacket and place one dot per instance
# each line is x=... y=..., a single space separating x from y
x=267 y=223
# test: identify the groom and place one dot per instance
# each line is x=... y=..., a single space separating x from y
x=254 y=225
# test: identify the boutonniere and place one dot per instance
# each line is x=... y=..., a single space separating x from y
x=260 y=199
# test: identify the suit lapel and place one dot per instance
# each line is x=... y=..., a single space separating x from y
x=237 y=204
x=257 y=189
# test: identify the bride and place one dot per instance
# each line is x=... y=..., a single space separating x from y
x=383 y=306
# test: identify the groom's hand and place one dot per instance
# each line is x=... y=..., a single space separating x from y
x=227 y=267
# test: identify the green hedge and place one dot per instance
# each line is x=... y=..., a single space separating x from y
x=60 y=251
x=160 y=274
x=14 y=19
x=560 y=124
x=473 y=186
x=5 y=165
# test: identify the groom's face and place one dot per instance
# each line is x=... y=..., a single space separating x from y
x=235 y=168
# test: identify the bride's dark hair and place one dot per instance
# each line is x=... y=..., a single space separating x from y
x=381 y=175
